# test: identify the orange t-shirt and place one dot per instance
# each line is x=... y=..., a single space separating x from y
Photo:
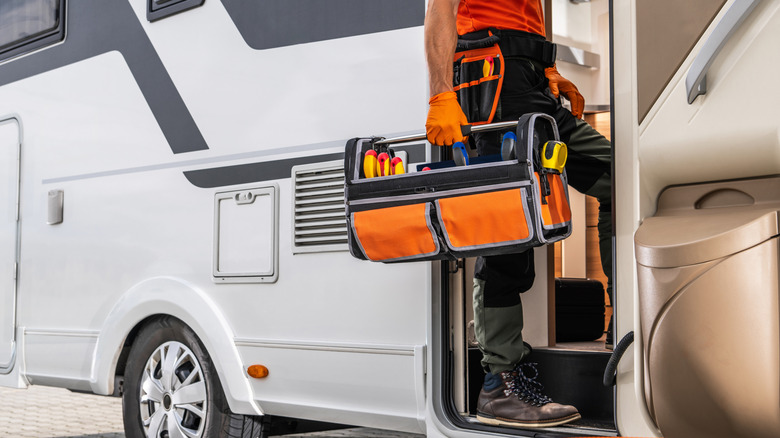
x=525 y=15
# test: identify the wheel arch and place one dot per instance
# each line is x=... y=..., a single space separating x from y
x=159 y=297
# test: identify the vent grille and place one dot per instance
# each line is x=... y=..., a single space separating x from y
x=320 y=222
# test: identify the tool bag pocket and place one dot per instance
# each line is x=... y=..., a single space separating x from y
x=551 y=212
x=477 y=79
x=555 y=212
x=474 y=224
x=395 y=234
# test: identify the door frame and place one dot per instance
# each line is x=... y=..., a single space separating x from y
x=7 y=367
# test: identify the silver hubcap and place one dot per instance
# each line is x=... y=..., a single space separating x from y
x=173 y=393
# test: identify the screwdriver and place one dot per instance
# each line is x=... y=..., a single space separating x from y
x=370 y=164
x=383 y=164
x=508 y=146
x=397 y=166
x=459 y=154
x=487 y=67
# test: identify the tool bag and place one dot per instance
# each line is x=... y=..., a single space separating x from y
x=496 y=207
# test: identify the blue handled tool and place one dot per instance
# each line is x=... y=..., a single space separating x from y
x=508 y=146
x=459 y=154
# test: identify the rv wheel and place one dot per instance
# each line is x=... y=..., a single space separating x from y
x=171 y=387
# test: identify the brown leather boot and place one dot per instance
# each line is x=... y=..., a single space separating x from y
x=512 y=398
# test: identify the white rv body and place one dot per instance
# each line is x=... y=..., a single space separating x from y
x=137 y=238
x=114 y=210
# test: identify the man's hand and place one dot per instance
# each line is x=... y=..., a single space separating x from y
x=441 y=36
x=445 y=117
x=560 y=84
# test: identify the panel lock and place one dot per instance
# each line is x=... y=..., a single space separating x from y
x=245 y=198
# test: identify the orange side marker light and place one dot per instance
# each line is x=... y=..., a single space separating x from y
x=257 y=371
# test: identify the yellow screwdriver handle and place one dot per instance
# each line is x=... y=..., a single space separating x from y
x=370 y=164
x=383 y=164
x=397 y=166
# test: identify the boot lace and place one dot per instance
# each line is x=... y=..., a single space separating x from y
x=522 y=382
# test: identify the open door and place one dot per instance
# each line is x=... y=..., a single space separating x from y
x=566 y=331
x=696 y=147
x=9 y=229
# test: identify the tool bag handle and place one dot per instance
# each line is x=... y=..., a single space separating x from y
x=465 y=129
x=537 y=129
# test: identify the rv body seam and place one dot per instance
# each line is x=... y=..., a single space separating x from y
x=397 y=350
x=68 y=333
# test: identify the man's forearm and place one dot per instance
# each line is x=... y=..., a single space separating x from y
x=441 y=37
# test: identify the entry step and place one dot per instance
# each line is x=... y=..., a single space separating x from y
x=574 y=377
x=571 y=374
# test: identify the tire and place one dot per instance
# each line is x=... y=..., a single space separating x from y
x=172 y=389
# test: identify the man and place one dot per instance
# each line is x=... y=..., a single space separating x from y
x=511 y=395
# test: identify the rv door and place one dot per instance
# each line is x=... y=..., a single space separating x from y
x=9 y=220
x=696 y=150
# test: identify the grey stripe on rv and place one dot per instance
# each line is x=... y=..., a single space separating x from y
x=252 y=172
x=277 y=23
x=95 y=27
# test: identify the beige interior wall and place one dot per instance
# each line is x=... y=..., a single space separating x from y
x=666 y=31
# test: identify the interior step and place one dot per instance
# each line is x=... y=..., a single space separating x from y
x=571 y=374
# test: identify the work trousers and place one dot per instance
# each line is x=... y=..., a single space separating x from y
x=499 y=280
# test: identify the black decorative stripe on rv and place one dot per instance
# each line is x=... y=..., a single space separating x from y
x=95 y=27
x=252 y=172
x=277 y=23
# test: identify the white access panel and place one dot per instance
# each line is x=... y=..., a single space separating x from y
x=9 y=197
x=246 y=242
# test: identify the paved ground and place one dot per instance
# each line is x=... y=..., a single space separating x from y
x=41 y=412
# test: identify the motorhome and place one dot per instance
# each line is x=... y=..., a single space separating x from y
x=172 y=216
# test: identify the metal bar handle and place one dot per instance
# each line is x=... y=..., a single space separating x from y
x=466 y=129
x=696 y=81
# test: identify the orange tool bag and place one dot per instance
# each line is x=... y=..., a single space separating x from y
x=495 y=207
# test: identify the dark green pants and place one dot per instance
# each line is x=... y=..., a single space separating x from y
x=499 y=280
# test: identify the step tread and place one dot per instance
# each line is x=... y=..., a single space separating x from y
x=595 y=347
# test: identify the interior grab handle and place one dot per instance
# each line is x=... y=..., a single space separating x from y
x=696 y=81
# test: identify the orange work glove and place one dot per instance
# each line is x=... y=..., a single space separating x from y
x=445 y=119
x=560 y=84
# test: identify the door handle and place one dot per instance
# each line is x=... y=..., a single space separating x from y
x=696 y=81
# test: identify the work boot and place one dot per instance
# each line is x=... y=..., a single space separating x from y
x=512 y=398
